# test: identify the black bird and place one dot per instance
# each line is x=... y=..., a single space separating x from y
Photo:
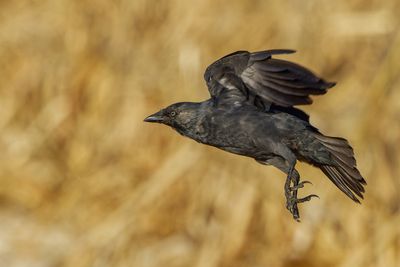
x=251 y=113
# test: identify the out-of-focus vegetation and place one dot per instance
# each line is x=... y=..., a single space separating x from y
x=84 y=182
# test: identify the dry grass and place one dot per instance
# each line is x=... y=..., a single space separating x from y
x=84 y=182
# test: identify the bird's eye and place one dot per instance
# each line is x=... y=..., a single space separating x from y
x=172 y=113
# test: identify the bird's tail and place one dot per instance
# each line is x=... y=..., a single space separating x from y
x=343 y=170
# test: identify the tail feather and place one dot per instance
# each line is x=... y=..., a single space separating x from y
x=343 y=170
x=338 y=180
x=354 y=185
x=332 y=174
x=347 y=166
x=336 y=141
x=345 y=159
x=337 y=144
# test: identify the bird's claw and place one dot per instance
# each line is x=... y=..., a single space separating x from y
x=299 y=185
x=291 y=204
x=307 y=198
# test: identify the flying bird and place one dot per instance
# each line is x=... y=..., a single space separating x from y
x=251 y=113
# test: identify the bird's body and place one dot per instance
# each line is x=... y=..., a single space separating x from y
x=244 y=130
x=251 y=114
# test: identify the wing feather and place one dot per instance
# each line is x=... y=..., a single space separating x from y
x=274 y=81
x=276 y=96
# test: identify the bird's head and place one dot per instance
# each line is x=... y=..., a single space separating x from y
x=180 y=116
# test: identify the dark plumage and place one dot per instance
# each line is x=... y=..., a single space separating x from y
x=251 y=113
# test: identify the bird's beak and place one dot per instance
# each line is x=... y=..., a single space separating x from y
x=156 y=117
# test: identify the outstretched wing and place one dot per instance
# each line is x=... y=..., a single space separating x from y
x=244 y=76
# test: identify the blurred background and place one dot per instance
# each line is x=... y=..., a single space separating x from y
x=85 y=182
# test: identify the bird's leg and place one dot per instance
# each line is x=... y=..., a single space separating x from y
x=291 y=193
x=287 y=164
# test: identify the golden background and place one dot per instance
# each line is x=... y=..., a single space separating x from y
x=85 y=182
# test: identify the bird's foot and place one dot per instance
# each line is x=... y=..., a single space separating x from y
x=292 y=185
x=291 y=204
